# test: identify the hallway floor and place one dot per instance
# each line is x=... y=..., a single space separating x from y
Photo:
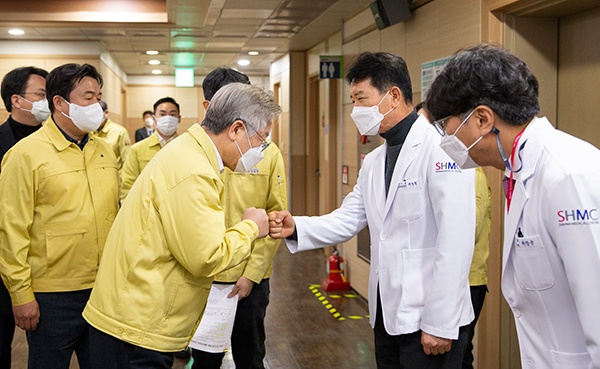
x=307 y=328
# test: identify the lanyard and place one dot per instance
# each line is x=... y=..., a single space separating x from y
x=511 y=182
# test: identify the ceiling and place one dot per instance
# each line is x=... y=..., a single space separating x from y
x=203 y=34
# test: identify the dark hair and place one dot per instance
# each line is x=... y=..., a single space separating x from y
x=385 y=71
x=103 y=105
x=485 y=75
x=220 y=77
x=147 y=112
x=15 y=82
x=166 y=100
x=61 y=81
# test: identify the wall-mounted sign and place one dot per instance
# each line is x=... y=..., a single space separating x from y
x=344 y=174
x=429 y=71
x=330 y=66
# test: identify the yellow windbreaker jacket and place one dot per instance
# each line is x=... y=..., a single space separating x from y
x=483 y=197
x=167 y=243
x=139 y=156
x=117 y=137
x=263 y=188
x=58 y=203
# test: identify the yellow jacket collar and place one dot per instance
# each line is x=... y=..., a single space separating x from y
x=105 y=128
x=153 y=139
x=205 y=142
x=55 y=135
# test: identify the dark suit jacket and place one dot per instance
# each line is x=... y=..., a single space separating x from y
x=140 y=134
x=7 y=139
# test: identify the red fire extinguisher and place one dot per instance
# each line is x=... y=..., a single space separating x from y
x=335 y=268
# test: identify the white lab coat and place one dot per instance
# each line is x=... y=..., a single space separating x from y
x=551 y=266
x=422 y=235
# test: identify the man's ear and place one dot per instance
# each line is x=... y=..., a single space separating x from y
x=234 y=129
x=396 y=95
x=14 y=100
x=205 y=104
x=485 y=119
x=58 y=102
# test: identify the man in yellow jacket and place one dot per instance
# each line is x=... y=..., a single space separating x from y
x=167 y=117
x=115 y=135
x=478 y=277
x=59 y=192
x=169 y=239
x=262 y=187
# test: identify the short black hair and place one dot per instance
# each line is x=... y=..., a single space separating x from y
x=485 y=75
x=15 y=82
x=147 y=112
x=166 y=100
x=385 y=71
x=220 y=77
x=61 y=80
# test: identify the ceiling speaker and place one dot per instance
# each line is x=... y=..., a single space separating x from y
x=390 y=12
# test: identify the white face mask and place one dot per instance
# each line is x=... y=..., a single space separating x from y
x=457 y=150
x=86 y=118
x=167 y=125
x=39 y=109
x=368 y=118
x=149 y=122
x=249 y=159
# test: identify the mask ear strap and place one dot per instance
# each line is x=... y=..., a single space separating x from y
x=238 y=147
x=380 y=101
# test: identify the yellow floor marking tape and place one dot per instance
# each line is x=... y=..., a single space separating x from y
x=314 y=288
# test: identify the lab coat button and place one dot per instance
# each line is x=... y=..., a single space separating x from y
x=517 y=313
x=383 y=237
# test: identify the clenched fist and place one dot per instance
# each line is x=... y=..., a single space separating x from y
x=258 y=216
x=281 y=224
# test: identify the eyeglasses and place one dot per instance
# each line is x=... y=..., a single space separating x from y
x=440 y=125
x=264 y=144
x=41 y=95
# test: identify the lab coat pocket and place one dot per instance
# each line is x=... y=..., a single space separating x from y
x=570 y=360
x=417 y=271
x=408 y=202
x=532 y=265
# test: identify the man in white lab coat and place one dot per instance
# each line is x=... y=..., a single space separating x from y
x=420 y=209
x=551 y=263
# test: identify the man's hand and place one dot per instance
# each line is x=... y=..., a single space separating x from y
x=433 y=345
x=281 y=224
x=27 y=316
x=258 y=216
x=242 y=288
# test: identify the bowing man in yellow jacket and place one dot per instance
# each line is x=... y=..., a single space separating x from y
x=261 y=186
x=59 y=193
x=169 y=239
x=167 y=117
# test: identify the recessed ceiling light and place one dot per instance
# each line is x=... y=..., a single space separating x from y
x=16 y=32
x=156 y=71
x=151 y=52
x=154 y=62
x=243 y=62
x=253 y=53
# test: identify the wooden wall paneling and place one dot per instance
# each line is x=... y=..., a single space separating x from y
x=579 y=75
